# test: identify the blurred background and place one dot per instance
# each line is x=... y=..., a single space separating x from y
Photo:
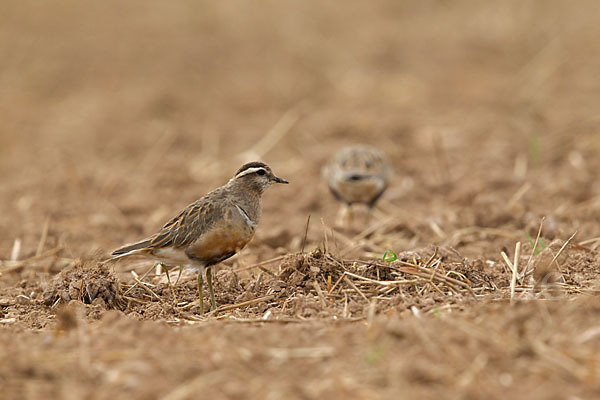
x=113 y=115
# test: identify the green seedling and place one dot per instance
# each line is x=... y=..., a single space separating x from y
x=375 y=355
x=389 y=256
x=535 y=149
x=541 y=244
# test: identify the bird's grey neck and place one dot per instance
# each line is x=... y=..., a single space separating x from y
x=243 y=186
x=251 y=207
x=248 y=198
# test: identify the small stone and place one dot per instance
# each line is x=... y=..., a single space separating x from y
x=99 y=301
x=23 y=300
x=5 y=302
x=277 y=285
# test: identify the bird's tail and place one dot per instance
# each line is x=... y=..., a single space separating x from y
x=130 y=249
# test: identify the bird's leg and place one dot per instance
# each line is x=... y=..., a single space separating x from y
x=164 y=267
x=179 y=276
x=364 y=216
x=372 y=214
x=200 y=294
x=350 y=216
x=341 y=215
x=345 y=216
x=213 y=303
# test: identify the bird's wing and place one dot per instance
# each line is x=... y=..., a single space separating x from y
x=191 y=223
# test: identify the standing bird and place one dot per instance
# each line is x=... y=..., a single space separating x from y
x=357 y=174
x=211 y=229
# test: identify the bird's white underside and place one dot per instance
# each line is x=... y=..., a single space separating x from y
x=167 y=256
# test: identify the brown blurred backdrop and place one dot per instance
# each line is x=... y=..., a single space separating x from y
x=114 y=114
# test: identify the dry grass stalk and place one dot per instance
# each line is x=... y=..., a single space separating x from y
x=302 y=352
x=537 y=239
x=191 y=388
x=381 y=283
x=593 y=241
x=43 y=237
x=564 y=246
x=371 y=312
x=437 y=229
x=9 y=266
x=425 y=273
x=518 y=195
x=305 y=234
x=335 y=284
x=480 y=230
x=441 y=158
x=507 y=261
x=434 y=286
x=281 y=128
x=146 y=288
x=378 y=227
x=260 y=264
x=353 y=286
x=16 y=250
x=261 y=320
x=433 y=256
x=346 y=313
x=325 y=240
x=133 y=299
x=559 y=361
x=520 y=167
x=416 y=312
x=138 y=280
x=243 y=304
x=320 y=294
x=513 y=280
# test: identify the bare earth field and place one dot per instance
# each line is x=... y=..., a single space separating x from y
x=115 y=115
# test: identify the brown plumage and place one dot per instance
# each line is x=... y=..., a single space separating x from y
x=213 y=228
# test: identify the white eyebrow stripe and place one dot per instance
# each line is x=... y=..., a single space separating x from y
x=246 y=217
x=250 y=171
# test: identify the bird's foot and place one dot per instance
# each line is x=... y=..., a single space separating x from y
x=164 y=267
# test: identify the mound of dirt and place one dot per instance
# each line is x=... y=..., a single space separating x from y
x=86 y=284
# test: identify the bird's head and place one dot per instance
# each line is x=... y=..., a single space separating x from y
x=257 y=176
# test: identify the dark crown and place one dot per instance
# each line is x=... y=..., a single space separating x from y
x=253 y=164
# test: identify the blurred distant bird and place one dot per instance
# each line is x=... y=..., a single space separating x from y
x=357 y=174
x=212 y=228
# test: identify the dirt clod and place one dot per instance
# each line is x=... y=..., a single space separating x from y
x=86 y=284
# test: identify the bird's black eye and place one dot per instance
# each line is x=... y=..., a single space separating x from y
x=260 y=172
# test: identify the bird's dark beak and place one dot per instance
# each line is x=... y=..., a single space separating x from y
x=279 y=180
